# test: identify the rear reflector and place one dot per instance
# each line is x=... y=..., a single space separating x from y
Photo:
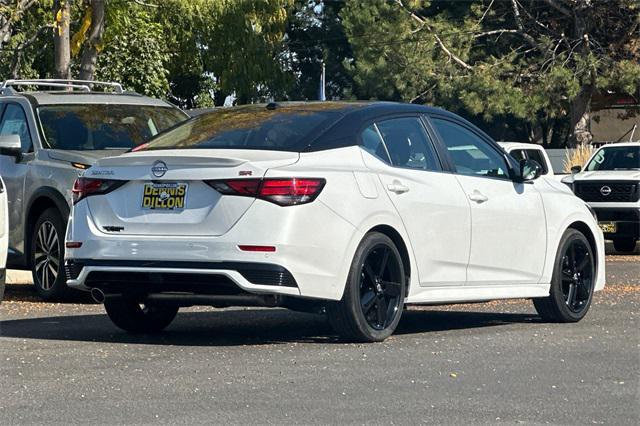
x=73 y=244
x=257 y=248
x=281 y=191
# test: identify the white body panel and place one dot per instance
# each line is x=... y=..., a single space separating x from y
x=316 y=242
x=433 y=201
x=4 y=234
x=508 y=225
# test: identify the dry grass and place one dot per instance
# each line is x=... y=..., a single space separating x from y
x=577 y=157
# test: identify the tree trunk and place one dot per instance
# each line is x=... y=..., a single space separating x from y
x=580 y=106
x=62 y=48
x=579 y=118
x=547 y=132
x=90 y=52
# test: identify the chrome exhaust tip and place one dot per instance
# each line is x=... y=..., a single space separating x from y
x=97 y=295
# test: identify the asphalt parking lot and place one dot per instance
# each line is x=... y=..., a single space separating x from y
x=460 y=364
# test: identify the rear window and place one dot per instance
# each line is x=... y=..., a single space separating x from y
x=285 y=128
x=99 y=126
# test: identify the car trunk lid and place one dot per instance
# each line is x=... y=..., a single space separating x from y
x=139 y=207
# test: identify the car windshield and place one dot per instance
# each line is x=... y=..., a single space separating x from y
x=99 y=126
x=283 y=128
x=616 y=158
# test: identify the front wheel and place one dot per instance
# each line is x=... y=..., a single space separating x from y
x=135 y=317
x=373 y=298
x=572 y=282
x=47 y=254
x=624 y=245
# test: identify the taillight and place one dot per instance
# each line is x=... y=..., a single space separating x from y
x=84 y=187
x=281 y=191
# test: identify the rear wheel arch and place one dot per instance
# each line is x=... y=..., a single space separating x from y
x=43 y=199
x=397 y=239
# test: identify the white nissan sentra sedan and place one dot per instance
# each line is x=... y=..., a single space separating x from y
x=355 y=209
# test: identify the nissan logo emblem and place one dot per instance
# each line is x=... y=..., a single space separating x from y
x=605 y=190
x=159 y=168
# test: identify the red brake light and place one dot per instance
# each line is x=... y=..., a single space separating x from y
x=84 y=187
x=248 y=187
x=288 y=192
x=281 y=191
x=257 y=248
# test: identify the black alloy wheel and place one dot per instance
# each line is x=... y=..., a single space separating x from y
x=573 y=280
x=373 y=298
x=380 y=287
x=577 y=275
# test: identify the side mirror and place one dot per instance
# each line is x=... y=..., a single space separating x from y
x=576 y=169
x=10 y=145
x=529 y=170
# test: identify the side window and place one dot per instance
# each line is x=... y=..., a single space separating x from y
x=373 y=144
x=408 y=143
x=518 y=154
x=470 y=154
x=537 y=156
x=14 y=122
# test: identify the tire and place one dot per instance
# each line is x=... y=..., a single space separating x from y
x=572 y=282
x=373 y=298
x=624 y=245
x=129 y=315
x=47 y=248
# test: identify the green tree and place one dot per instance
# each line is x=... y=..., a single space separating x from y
x=134 y=50
x=315 y=35
x=533 y=64
x=243 y=48
x=24 y=25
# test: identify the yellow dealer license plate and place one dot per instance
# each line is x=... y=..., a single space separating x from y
x=164 y=196
x=608 y=227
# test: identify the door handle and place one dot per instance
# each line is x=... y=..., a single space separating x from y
x=398 y=188
x=478 y=197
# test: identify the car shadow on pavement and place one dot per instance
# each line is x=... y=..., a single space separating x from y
x=241 y=327
x=27 y=293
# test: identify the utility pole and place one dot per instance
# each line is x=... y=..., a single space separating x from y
x=321 y=94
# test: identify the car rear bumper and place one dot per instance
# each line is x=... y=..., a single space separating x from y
x=198 y=278
x=310 y=246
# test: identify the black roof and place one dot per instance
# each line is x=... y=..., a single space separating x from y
x=343 y=132
x=348 y=118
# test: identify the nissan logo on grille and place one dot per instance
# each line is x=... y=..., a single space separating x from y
x=159 y=168
x=605 y=190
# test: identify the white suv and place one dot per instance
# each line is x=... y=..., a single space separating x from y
x=358 y=208
x=610 y=183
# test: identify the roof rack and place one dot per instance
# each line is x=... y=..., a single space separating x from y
x=82 y=85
